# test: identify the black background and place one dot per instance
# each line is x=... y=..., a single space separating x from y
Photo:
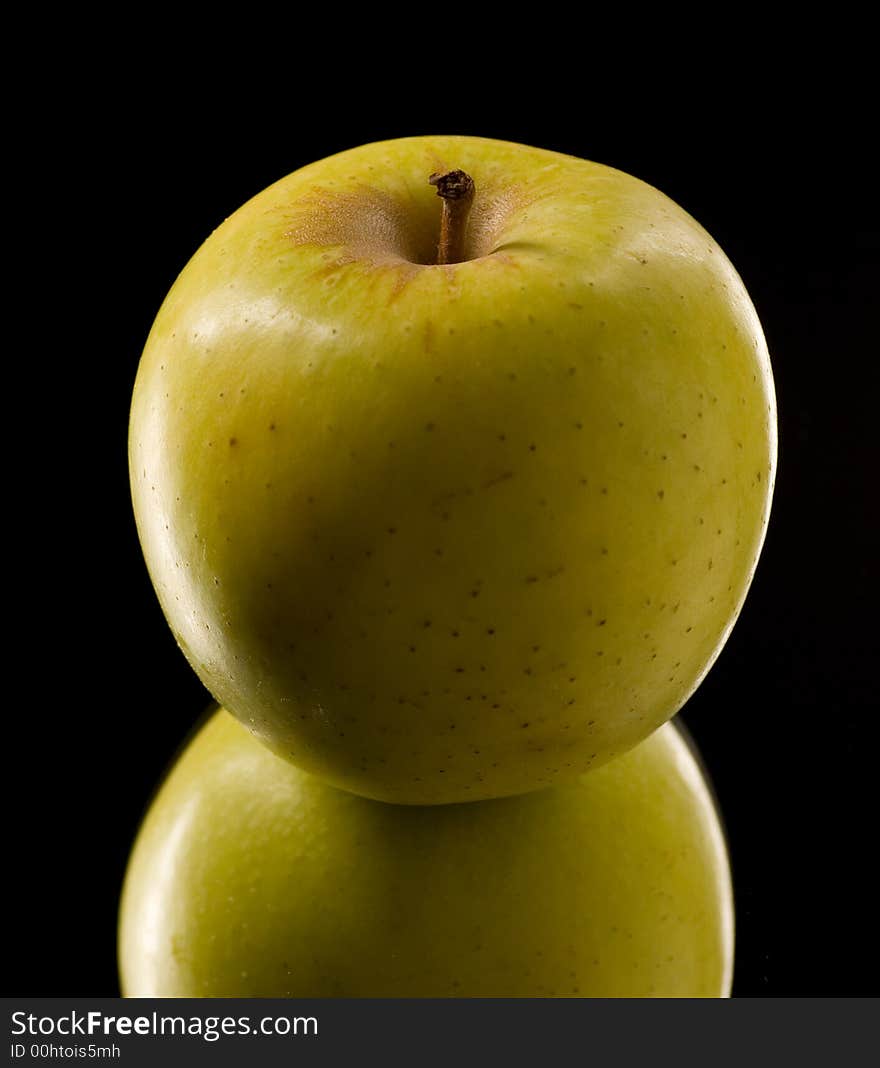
x=786 y=720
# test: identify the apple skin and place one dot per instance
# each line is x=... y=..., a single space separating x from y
x=252 y=878
x=441 y=533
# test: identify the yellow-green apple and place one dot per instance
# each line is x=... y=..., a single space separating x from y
x=447 y=531
x=253 y=878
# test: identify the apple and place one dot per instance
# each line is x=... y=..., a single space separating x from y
x=252 y=878
x=446 y=531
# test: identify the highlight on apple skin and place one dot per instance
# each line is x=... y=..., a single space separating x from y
x=443 y=532
x=251 y=878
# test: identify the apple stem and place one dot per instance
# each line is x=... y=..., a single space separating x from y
x=457 y=192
